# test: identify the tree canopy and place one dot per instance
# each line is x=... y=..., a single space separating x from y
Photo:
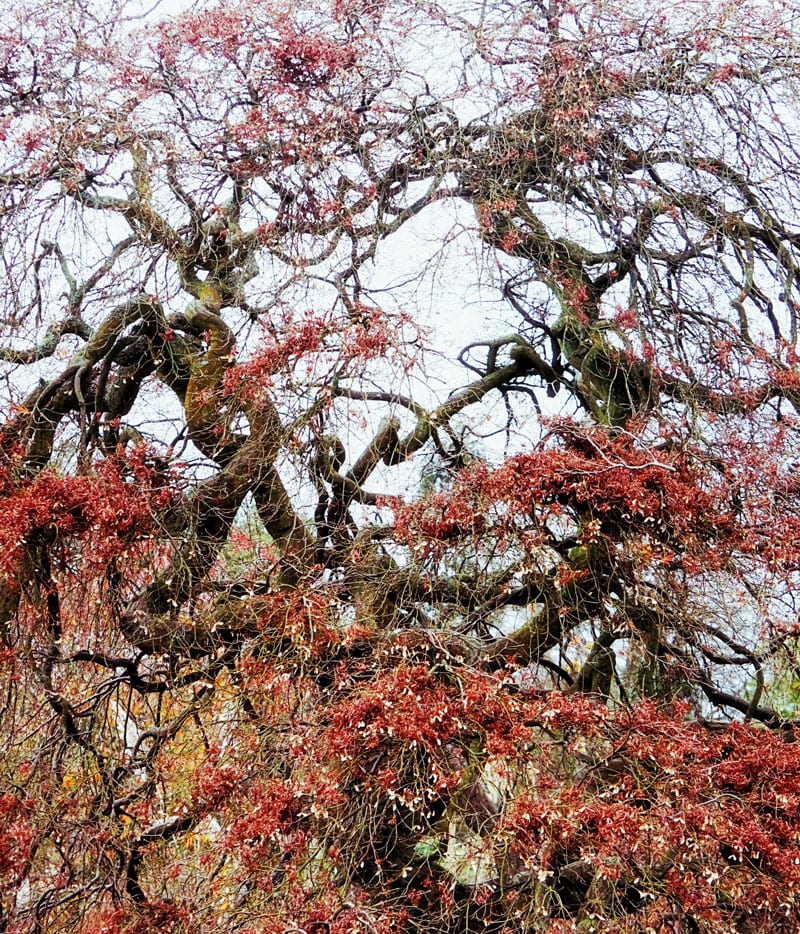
x=321 y=612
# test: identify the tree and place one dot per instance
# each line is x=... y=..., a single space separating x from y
x=284 y=647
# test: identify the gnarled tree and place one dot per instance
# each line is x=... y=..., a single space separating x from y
x=286 y=644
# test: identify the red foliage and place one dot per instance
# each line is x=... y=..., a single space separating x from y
x=153 y=918
x=309 y=345
x=608 y=487
x=659 y=809
x=113 y=506
x=309 y=60
x=17 y=837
